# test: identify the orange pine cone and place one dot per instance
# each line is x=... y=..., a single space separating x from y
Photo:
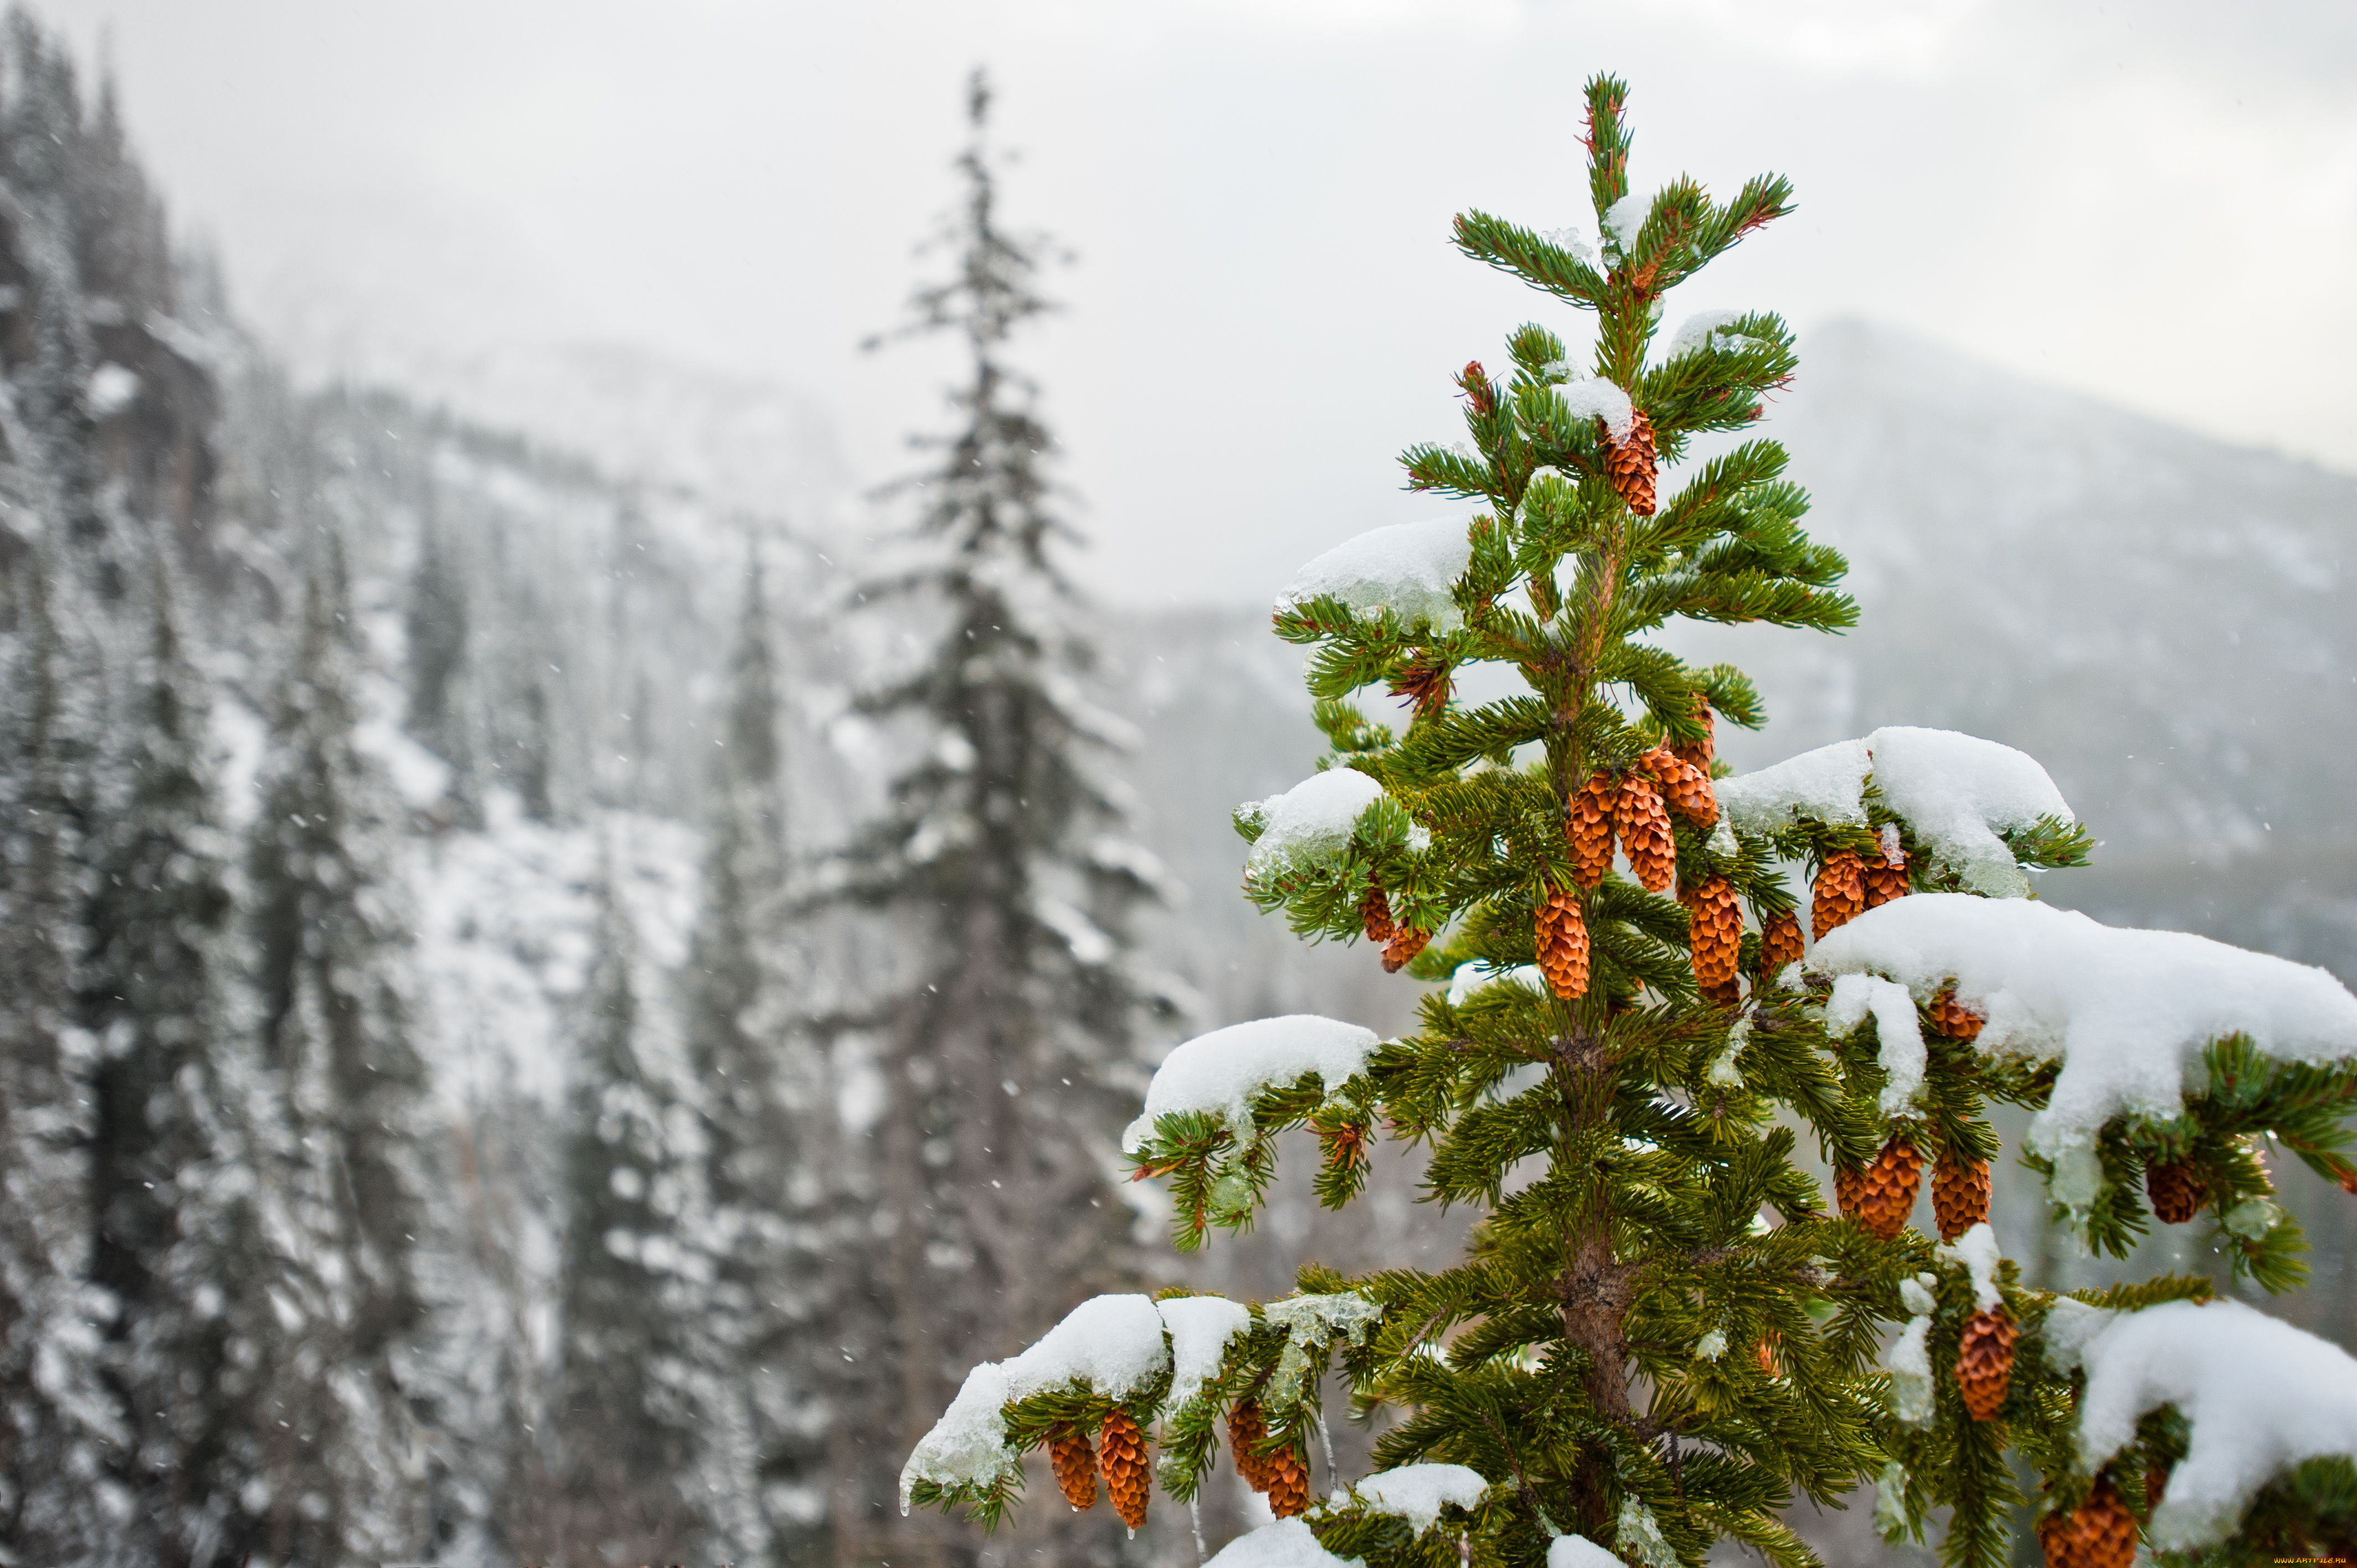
x=1075 y=1464
x=1960 y=1195
x=1121 y=1450
x=1985 y=1362
x=1405 y=943
x=1779 y=944
x=1954 y=1019
x=2156 y=1482
x=1562 y=943
x=1840 y=893
x=2175 y=1190
x=1288 y=1484
x=1590 y=828
x=1376 y=914
x=1716 y=921
x=1247 y=1429
x=1884 y=880
x=2100 y=1533
x=1644 y=828
x=1849 y=1188
x=1766 y=1356
x=1704 y=752
x=1886 y=1188
x=1686 y=786
x=1631 y=465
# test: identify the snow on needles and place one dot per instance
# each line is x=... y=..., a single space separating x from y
x=1408 y=569
x=1956 y=792
x=2125 y=1012
x=1898 y=1033
x=1594 y=398
x=1315 y=818
x=1416 y=1493
x=1287 y=1543
x=1201 y=1328
x=1828 y=784
x=1113 y=1343
x=1578 y=1551
x=1223 y=1071
x=2260 y=1395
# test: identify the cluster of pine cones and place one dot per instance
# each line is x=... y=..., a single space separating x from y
x=1119 y=1454
x=1120 y=1451
x=1848 y=884
x=1634 y=807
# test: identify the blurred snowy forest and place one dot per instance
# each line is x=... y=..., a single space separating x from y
x=406 y=823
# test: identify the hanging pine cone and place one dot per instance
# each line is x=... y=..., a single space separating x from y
x=1779 y=944
x=1704 y=752
x=1247 y=1429
x=1288 y=1484
x=1960 y=1195
x=1840 y=893
x=1075 y=1464
x=2101 y=1533
x=1766 y=1356
x=1886 y=1188
x=1686 y=786
x=1405 y=943
x=1727 y=994
x=1562 y=943
x=1849 y=1188
x=1644 y=828
x=1954 y=1019
x=1716 y=922
x=1632 y=464
x=1121 y=1450
x=1985 y=1362
x=1885 y=879
x=1590 y=828
x=2175 y=1190
x=1376 y=914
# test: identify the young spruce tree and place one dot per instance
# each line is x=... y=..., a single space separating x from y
x=1662 y=1332
x=1001 y=866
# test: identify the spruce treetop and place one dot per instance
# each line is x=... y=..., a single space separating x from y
x=1663 y=1333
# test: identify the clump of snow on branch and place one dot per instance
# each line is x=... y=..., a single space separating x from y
x=1623 y=220
x=1957 y=793
x=1221 y=1072
x=1827 y=784
x=1312 y=821
x=1975 y=1252
x=1113 y=1343
x=1598 y=398
x=1640 y=1534
x=2070 y=1327
x=1315 y=1321
x=1471 y=978
x=1417 y=1493
x=1898 y=1033
x=1287 y=1543
x=1909 y=1362
x=1706 y=329
x=1408 y=569
x=2126 y=1012
x=1572 y=242
x=2260 y=1396
x=1201 y=1328
x=1578 y=1551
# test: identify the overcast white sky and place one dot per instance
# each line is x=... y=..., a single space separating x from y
x=2152 y=200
